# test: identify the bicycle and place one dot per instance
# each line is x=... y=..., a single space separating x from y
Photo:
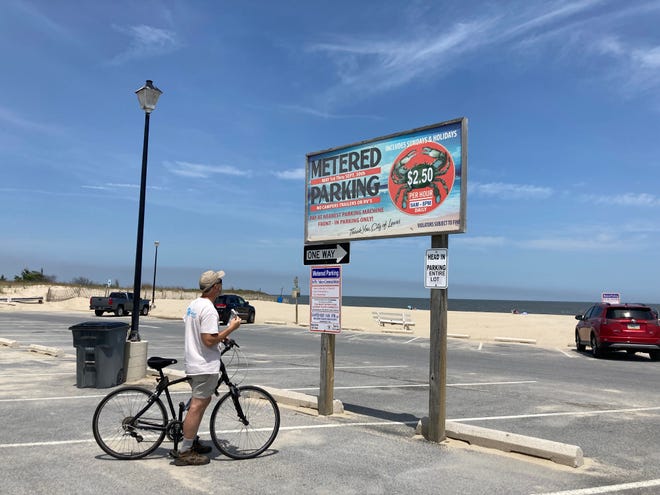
x=132 y=422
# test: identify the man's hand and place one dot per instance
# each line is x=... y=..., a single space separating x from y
x=234 y=323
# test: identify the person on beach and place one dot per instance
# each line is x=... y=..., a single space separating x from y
x=202 y=363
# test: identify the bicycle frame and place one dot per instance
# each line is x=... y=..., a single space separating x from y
x=163 y=385
x=243 y=423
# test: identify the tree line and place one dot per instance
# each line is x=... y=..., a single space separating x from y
x=38 y=276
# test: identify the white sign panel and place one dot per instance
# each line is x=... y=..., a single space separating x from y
x=610 y=297
x=325 y=299
x=435 y=273
x=409 y=183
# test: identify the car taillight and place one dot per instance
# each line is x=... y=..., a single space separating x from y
x=220 y=305
x=110 y=301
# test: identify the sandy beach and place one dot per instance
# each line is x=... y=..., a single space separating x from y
x=549 y=331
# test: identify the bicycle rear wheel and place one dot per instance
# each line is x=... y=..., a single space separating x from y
x=117 y=431
x=240 y=439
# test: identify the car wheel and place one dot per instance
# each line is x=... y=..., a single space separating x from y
x=596 y=350
x=145 y=311
x=654 y=355
x=119 y=311
x=98 y=312
x=579 y=345
x=250 y=318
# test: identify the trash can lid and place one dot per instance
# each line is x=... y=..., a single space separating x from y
x=100 y=325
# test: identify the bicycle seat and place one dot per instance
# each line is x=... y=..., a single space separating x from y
x=158 y=363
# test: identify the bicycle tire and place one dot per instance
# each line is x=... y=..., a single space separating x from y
x=116 y=436
x=240 y=441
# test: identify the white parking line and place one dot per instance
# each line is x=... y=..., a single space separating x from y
x=358 y=387
x=606 y=489
x=567 y=413
x=417 y=385
x=23 y=375
x=414 y=385
x=206 y=433
x=315 y=368
x=585 y=491
x=571 y=355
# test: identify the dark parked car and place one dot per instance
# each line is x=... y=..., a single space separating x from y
x=226 y=302
x=630 y=327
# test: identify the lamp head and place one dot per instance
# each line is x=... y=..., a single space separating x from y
x=148 y=96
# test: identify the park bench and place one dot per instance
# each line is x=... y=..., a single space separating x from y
x=390 y=318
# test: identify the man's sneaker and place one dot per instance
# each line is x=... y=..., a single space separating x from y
x=191 y=458
x=201 y=448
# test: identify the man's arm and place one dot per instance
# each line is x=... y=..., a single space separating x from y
x=213 y=339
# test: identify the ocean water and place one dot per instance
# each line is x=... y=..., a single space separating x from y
x=484 y=305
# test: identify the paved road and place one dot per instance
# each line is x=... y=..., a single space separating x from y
x=610 y=408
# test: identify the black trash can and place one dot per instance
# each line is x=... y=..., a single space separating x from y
x=100 y=353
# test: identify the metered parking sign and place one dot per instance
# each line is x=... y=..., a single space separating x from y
x=435 y=274
x=325 y=299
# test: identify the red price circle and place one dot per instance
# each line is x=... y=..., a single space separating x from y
x=421 y=178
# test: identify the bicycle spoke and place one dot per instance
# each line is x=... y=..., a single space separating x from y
x=236 y=439
x=118 y=432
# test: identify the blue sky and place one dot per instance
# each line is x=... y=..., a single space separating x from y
x=562 y=100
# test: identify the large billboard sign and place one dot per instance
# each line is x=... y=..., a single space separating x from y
x=410 y=183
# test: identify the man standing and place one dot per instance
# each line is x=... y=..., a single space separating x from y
x=202 y=363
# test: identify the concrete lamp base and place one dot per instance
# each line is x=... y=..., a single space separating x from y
x=135 y=360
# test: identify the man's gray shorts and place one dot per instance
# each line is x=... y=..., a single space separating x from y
x=203 y=386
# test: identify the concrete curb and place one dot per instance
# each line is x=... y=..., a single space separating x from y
x=8 y=343
x=51 y=351
x=297 y=399
x=458 y=336
x=560 y=453
x=514 y=339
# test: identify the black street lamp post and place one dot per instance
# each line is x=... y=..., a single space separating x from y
x=148 y=97
x=153 y=287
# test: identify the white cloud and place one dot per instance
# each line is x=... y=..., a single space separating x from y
x=382 y=64
x=647 y=58
x=587 y=243
x=202 y=171
x=146 y=41
x=419 y=50
x=479 y=242
x=572 y=29
x=14 y=120
x=113 y=185
x=291 y=174
x=625 y=199
x=325 y=115
x=509 y=191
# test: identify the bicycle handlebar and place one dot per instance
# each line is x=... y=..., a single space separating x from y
x=228 y=344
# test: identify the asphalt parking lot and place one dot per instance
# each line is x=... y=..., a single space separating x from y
x=608 y=407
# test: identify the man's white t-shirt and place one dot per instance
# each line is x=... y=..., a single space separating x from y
x=201 y=317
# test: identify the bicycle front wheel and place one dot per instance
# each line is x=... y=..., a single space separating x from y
x=120 y=433
x=248 y=436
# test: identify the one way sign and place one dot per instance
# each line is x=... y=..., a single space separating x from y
x=326 y=254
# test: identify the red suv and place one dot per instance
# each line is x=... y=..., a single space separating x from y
x=630 y=327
